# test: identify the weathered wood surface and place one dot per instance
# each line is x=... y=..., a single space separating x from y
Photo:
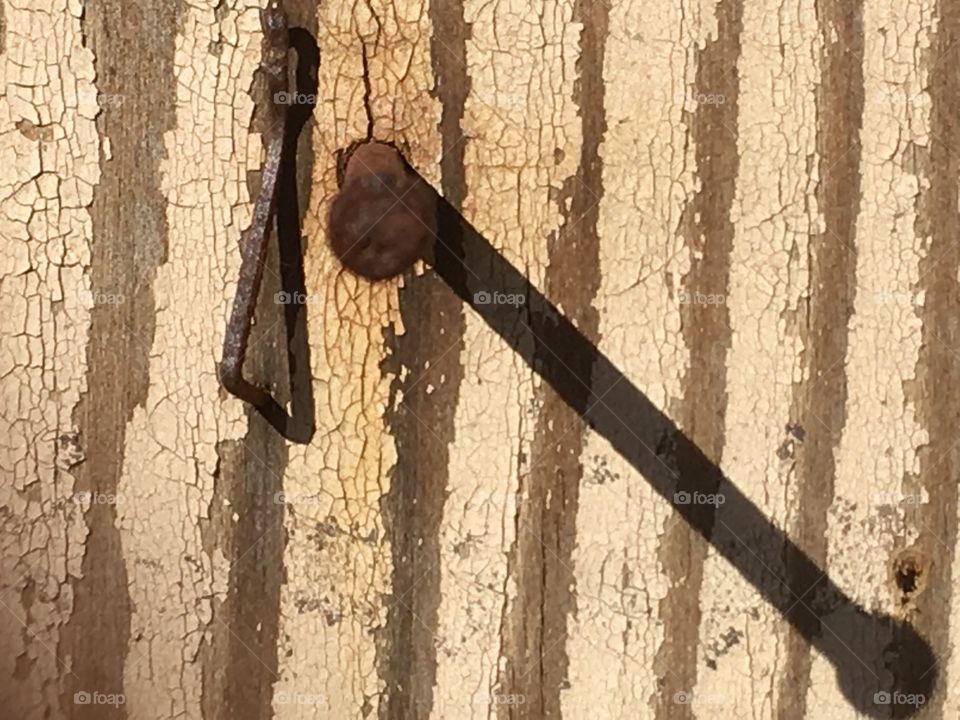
x=751 y=208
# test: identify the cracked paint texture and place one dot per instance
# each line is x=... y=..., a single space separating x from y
x=518 y=102
x=49 y=149
x=523 y=132
x=338 y=556
x=647 y=177
x=170 y=454
x=773 y=214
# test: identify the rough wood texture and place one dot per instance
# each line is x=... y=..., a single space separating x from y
x=749 y=208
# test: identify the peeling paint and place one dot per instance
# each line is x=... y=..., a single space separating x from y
x=752 y=212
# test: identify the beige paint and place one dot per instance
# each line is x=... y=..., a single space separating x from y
x=774 y=212
x=170 y=452
x=647 y=176
x=520 y=104
x=328 y=659
x=878 y=455
x=48 y=149
x=523 y=138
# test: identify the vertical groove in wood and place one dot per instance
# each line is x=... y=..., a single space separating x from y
x=242 y=662
x=708 y=230
x=541 y=561
x=129 y=242
x=922 y=572
x=820 y=399
x=422 y=415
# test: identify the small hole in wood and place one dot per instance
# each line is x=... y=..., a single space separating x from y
x=909 y=574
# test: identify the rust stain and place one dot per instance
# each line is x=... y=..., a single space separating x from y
x=909 y=571
x=423 y=424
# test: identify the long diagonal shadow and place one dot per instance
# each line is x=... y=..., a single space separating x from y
x=883 y=666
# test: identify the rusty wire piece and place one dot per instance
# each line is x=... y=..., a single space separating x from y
x=382 y=220
x=275 y=49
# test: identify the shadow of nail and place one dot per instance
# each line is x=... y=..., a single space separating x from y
x=884 y=667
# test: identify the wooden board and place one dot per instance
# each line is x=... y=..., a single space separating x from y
x=747 y=212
